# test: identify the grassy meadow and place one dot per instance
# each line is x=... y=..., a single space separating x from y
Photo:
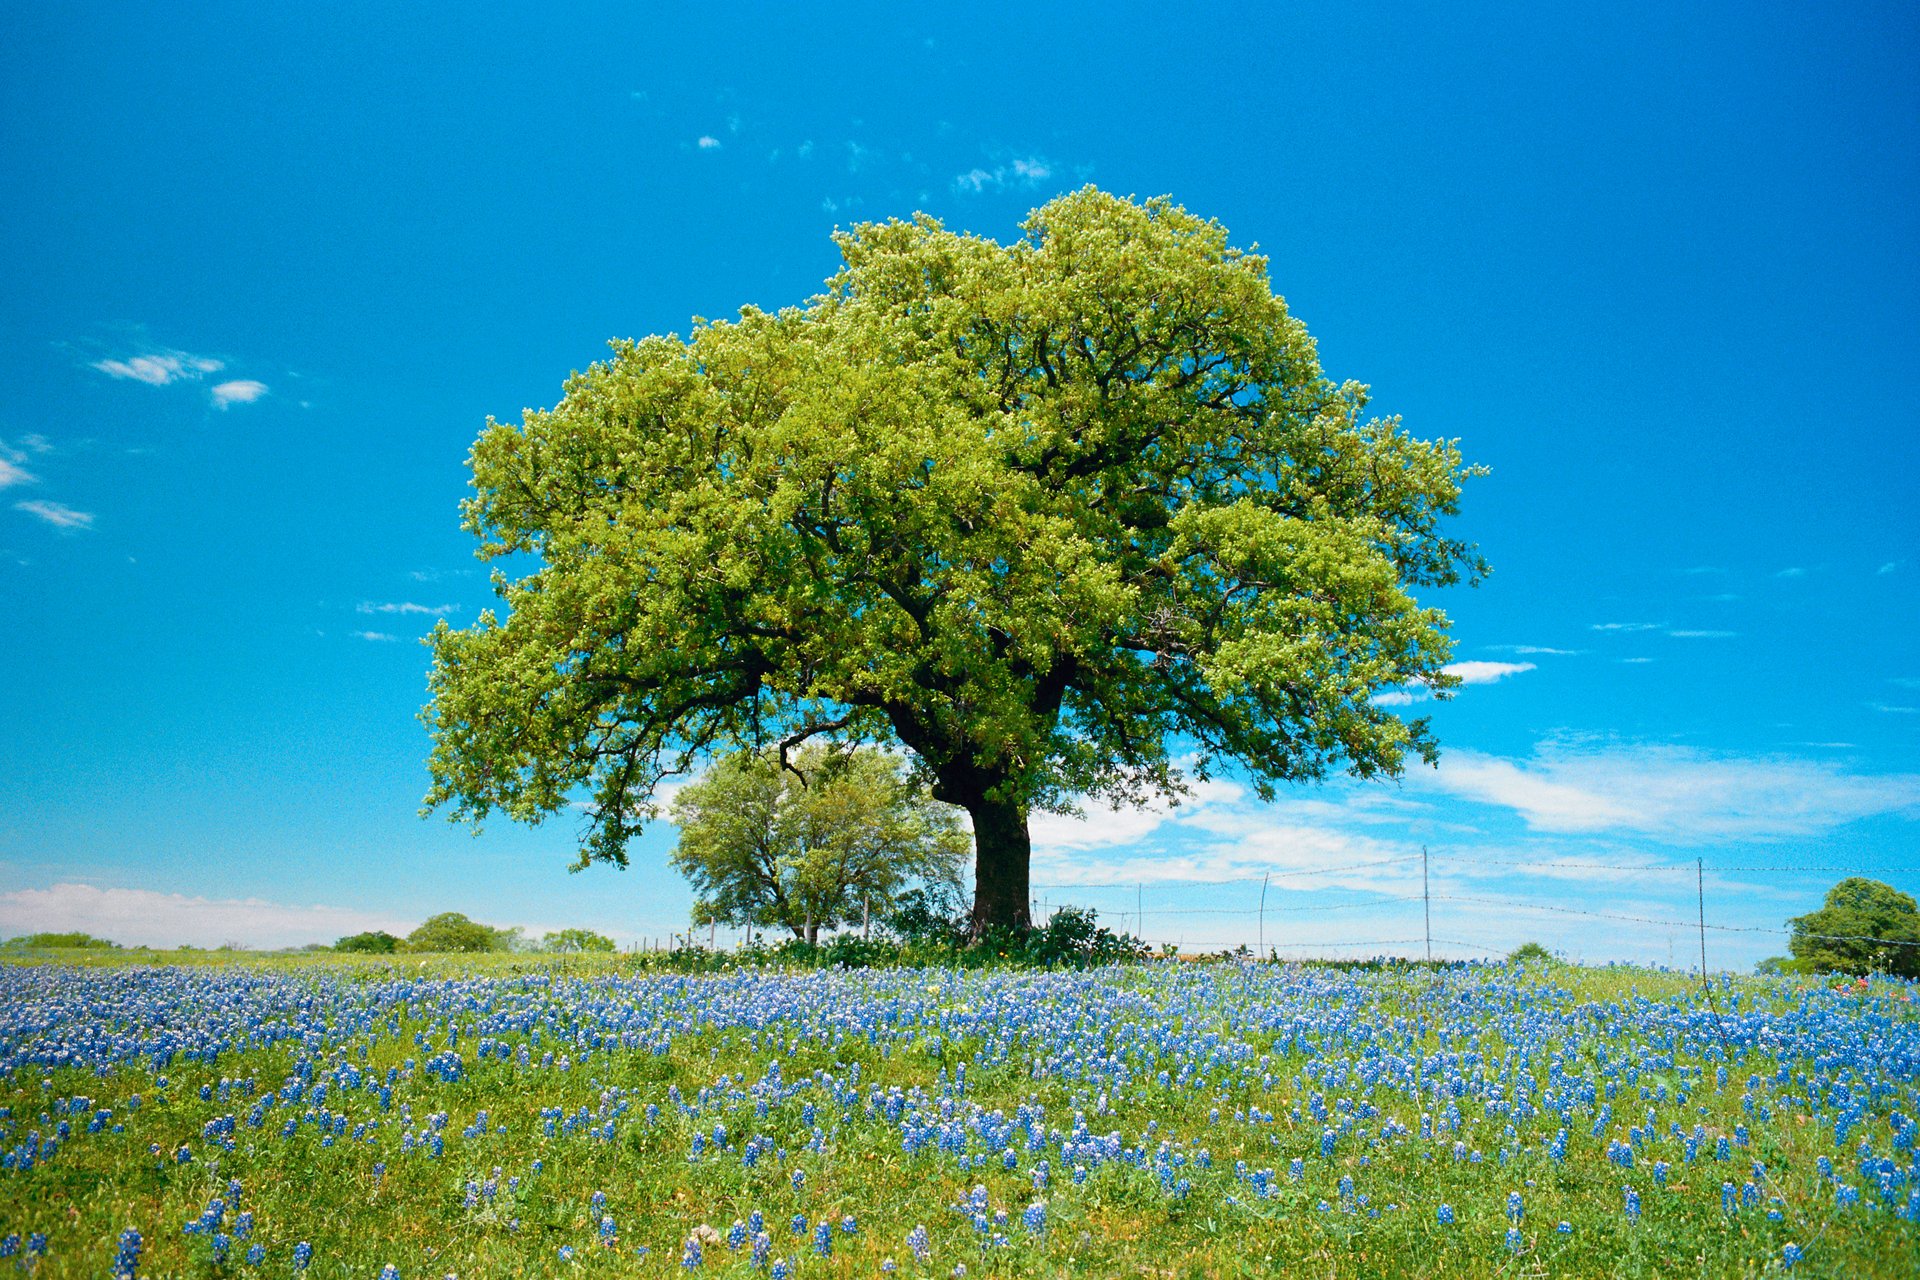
x=219 y=1114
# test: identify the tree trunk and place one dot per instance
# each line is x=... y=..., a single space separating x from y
x=1002 y=851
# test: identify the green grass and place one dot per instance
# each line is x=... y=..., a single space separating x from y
x=1061 y=1042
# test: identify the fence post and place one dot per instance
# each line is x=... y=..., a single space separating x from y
x=1265 y=876
x=1426 y=902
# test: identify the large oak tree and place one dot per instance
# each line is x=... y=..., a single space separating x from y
x=1056 y=516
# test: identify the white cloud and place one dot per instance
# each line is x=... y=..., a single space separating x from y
x=158 y=368
x=1888 y=567
x=1397 y=698
x=1537 y=648
x=11 y=474
x=137 y=917
x=1702 y=635
x=1794 y=572
x=708 y=142
x=1628 y=626
x=1486 y=672
x=379 y=636
x=1101 y=827
x=1029 y=171
x=239 y=391
x=56 y=514
x=1676 y=795
x=408 y=607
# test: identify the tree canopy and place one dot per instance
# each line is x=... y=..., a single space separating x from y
x=1055 y=515
x=452 y=931
x=831 y=839
x=1864 y=926
x=575 y=942
x=372 y=942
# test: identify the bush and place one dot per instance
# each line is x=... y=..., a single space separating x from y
x=375 y=942
x=39 y=940
x=1531 y=953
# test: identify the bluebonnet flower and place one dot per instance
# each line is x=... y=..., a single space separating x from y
x=1565 y=1228
x=736 y=1235
x=762 y=1246
x=1444 y=1215
x=1632 y=1204
x=690 y=1254
x=1790 y=1253
x=780 y=1269
x=917 y=1241
x=823 y=1239
x=1513 y=1239
x=126 y=1261
x=389 y=1272
x=799 y=1224
x=1034 y=1217
x=566 y=1253
x=848 y=1226
x=302 y=1255
x=1515 y=1210
x=256 y=1254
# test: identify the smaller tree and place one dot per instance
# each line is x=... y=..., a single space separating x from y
x=452 y=931
x=575 y=942
x=376 y=942
x=1864 y=927
x=832 y=836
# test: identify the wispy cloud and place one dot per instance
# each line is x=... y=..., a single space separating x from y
x=1485 y=672
x=1888 y=567
x=408 y=607
x=1628 y=626
x=1676 y=795
x=1030 y=171
x=1535 y=649
x=708 y=142
x=137 y=917
x=1703 y=635
x=380 y=636
x=1793 y=572
x=11 y=473
x=239 y=391
x=56 y=514
x=159 y=368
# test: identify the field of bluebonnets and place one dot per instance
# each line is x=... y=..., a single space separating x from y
x=423 y=1119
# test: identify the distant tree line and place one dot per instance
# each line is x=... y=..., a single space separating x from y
x=450 y=931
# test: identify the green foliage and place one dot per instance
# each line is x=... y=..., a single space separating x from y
x=374 y=942
x=452 y=931
x=576 y=942
x=1531 y=953
x=1045 y=513
x=42 y=941
x=836 y=834
x=1864 y=927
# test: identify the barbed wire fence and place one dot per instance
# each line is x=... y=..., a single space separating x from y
x=1265 y=915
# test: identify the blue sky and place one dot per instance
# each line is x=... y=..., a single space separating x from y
x=269 y=272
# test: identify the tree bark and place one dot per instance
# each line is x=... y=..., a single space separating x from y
x=1002 y=851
